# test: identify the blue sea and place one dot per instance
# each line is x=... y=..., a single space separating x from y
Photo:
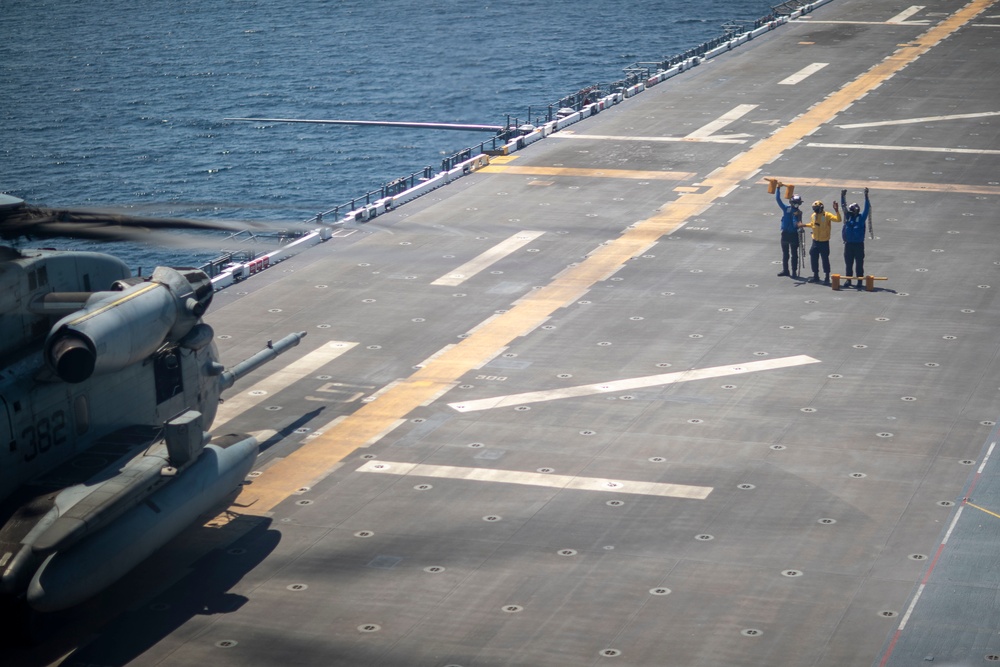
x=123 y=104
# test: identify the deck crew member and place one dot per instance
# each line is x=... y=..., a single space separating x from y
x=791 y=217
x=820 y=224
x=854 y=237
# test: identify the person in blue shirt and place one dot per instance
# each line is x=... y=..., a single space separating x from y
x=854 y=237
x=791 y=220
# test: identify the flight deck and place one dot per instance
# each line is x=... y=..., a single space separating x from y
x=563 y=411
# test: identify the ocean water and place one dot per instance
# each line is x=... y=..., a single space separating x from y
x=123 y=104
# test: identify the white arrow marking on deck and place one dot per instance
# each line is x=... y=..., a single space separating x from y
x=919 y=149
x=925 y=119
x=539 y=479
x=722 y=121
x=631 y=383
x=487 y=259
x=802 y=74
x=281 y=379
x=901 y=17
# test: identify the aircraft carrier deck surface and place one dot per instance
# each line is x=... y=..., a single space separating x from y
x=563 y=412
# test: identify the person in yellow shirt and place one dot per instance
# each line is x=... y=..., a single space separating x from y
x=820 y=224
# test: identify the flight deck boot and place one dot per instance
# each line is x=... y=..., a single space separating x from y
x=814 y=279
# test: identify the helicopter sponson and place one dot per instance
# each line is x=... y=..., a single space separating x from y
x=112 y=528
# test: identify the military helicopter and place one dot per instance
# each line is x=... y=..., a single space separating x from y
x=109 y=383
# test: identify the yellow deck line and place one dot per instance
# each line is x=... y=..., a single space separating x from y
x=637 y=174
x=983 y=509
x=313 y=461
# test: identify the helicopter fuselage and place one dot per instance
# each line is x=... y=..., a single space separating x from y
x=45 y=420
x=106 y=398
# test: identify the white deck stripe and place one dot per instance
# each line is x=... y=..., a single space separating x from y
x=987 y=457
x=913 y=604
x=907 y=13
x=802 y=74
x=921 y=22
x=926 y=119
x=539 y=479
x=723 y=139
x=919 y=149
x=487 y=259
x=722 y=121
x=632 y=383
x=954 y=522
x=920 y=588
x=279 y=380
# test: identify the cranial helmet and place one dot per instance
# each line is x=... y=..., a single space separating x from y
x=795 y=200
x=817 y=204
x=854 y=208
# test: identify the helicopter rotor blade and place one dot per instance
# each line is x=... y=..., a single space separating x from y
x=90 y=216
x=96 y=232
x=186 y=239
x=39 y=222
x=198 y=206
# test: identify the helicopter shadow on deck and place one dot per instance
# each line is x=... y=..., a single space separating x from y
x=120 y=633
x=204 y=591
x=289 y=430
